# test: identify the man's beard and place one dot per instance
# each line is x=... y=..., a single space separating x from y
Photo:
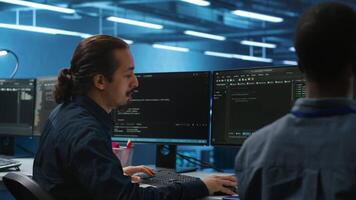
x=123 y=108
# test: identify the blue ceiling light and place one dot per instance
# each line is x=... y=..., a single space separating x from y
x=40 y=6
x=134 y=22
x=253 y=58
x=258 y=44
x=171 y=48
x=258 y=16
x=39 y=29
x=198 y=2
x=46 y=30
x=238 y=56
x=205 y=35
x=218 y=54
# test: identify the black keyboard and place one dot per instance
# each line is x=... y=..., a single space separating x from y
x=164 y=176
x=6 y=164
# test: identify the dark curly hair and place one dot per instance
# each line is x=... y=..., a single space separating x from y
x=93 y=55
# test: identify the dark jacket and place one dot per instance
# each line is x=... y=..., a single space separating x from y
x=75 y=160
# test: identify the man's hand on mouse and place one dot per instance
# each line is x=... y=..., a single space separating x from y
x=131 y=170
x=220 y=183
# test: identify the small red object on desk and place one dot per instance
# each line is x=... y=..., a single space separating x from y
x=115 y=145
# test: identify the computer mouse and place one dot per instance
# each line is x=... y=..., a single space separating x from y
x=142 y=175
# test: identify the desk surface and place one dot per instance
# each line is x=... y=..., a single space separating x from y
x=26 y=166
x=27 y=163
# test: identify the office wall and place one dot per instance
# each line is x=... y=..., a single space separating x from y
x=44 y=54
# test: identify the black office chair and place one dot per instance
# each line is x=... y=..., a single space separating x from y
x=24 y=188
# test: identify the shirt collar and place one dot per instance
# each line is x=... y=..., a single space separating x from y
x=98 y=112
x=324 y=106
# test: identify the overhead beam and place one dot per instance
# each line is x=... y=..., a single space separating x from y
x=239 y=34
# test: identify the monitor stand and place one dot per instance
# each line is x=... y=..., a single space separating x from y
x=166 y=157
x=7 y=145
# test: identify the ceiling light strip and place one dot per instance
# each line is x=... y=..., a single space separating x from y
x=258 y=16
x=171 y=48
x=198 y=2
x=134 y=22
x=205 y=35
x=40 y=6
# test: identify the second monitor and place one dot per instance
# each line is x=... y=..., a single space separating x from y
x=245 y=100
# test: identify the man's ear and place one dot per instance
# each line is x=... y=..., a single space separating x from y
x=99 y=81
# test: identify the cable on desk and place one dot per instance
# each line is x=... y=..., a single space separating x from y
x=196 y=161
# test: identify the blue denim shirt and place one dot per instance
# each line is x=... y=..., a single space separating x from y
x=307 y=154
x=75 y=160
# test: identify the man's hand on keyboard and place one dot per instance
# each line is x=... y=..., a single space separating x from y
x=131 y=170
x=220 y=184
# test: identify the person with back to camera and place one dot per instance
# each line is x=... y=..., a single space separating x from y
x=309 y=153
x=75 y=159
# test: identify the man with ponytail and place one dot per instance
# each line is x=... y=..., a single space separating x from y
x=74 y=159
